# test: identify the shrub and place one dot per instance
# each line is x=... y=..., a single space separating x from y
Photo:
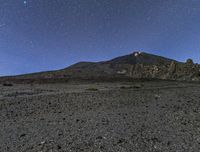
x=131 y=87
x=8 y=84
x=92 y=89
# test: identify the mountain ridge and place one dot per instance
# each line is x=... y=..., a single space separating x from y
x=137 y=65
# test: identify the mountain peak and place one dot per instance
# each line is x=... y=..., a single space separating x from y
x=139 y=57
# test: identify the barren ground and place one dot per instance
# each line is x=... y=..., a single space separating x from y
x=100 y=117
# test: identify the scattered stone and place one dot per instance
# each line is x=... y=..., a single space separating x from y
x=22 y=135
x=157 y=96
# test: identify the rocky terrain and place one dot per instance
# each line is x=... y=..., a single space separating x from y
x=140 y=116
x=130 y=103
x=138 y=65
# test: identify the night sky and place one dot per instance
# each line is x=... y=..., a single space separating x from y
x=38 y=35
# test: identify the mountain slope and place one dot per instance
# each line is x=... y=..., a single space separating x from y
x=141 y=58
x=135 y=66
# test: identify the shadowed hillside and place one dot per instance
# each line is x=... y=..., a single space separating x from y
x=138 y=65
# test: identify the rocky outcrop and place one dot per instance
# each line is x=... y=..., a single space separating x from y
x=172 y=67
x=174 y=71
x=189 y=62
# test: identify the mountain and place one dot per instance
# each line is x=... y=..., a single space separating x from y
x=132 y=59
x=141 y=58
x=137 y=65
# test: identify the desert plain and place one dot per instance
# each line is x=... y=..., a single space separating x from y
x=138 y=116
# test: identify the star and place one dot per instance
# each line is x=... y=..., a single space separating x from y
x=25 y=2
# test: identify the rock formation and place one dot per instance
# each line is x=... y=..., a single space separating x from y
x=189 y=62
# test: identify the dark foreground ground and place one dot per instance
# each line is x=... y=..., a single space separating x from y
x=102 y=117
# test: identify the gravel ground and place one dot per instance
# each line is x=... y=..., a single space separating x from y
x=100 y=117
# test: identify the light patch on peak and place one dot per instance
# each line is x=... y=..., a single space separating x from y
x=137 y=53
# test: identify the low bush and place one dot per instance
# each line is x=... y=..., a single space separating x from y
x=92 y=89
x=131 y=87
x=8 y=84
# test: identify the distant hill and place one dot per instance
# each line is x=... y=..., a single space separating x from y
x=137 y=65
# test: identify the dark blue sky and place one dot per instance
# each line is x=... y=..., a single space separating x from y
x=37 y=35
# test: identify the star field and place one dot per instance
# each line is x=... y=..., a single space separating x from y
x=38 y=35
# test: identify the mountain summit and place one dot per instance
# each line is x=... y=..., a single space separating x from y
x=139 y=57
x=137 y=65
